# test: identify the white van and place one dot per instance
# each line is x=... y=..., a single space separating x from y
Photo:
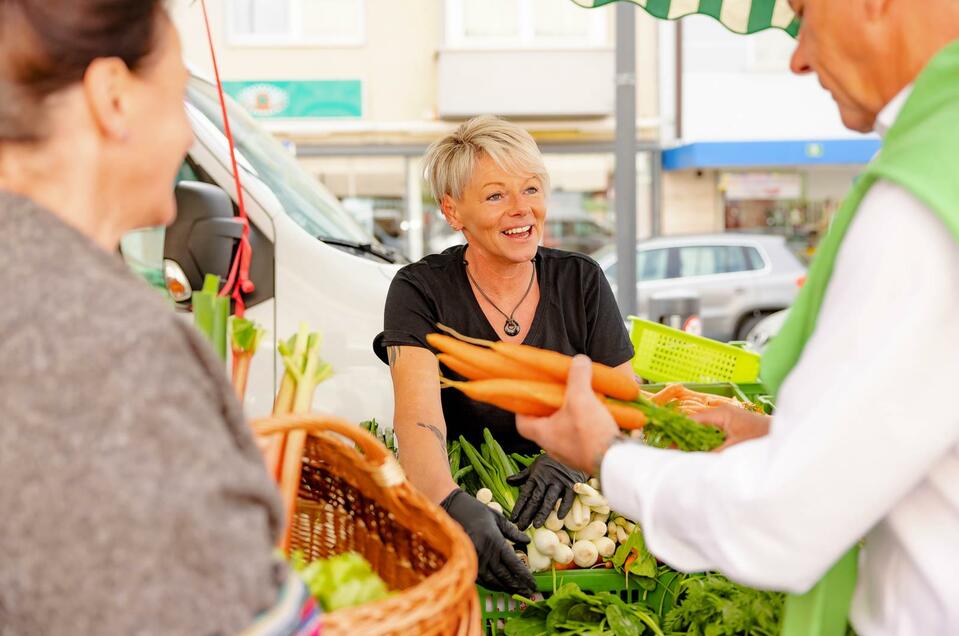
x=311 y=261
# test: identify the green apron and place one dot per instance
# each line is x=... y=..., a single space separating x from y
x=920 y=154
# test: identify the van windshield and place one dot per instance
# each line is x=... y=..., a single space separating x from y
x=307 y=202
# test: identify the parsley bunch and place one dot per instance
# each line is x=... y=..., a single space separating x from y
x=712 y=605
x=668 y=428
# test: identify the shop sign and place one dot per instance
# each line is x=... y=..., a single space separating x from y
x=767 y=186
x=299 y=99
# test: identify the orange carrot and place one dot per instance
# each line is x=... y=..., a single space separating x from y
x=627 y=418
x=512 y=396
x=464 y=368
x=551 y=364
x=538 y=399
x=669 y=393
x=485 y=360
x=606 y=379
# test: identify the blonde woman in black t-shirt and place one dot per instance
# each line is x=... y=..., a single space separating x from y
x=491 y=184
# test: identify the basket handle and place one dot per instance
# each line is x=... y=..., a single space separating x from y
x=388 y=472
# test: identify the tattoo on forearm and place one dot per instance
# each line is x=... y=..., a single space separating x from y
x=392 y=355
x=437 y=433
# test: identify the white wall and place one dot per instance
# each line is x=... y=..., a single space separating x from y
x=740 y=88
x=395 y=63
x=691 y=203
x=830 y=183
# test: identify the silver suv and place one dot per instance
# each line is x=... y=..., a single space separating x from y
x=739 y=278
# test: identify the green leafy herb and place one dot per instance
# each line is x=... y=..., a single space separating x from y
x=342 y=581
x=667 y=428
x=712 y=605
x=570 y=610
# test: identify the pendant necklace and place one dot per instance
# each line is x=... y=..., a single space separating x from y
x=511 y=327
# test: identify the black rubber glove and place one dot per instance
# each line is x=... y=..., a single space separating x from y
x=544 y=483
x=499 y=567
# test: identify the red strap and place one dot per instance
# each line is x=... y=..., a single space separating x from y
x=238 y=282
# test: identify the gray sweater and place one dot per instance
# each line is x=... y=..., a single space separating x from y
x=132 y=496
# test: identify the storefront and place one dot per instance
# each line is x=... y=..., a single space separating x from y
x=791 y=188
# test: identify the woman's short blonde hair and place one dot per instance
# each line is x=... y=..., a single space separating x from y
x=451 y=160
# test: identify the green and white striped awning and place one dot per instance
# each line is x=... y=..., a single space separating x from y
x=740 y=16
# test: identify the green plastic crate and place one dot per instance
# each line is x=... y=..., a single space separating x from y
x=664 y=354
x=824 y=610
x=497 y=607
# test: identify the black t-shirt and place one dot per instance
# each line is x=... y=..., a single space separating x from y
x=577 y=313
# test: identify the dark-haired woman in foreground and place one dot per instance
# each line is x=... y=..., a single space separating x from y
x=133 y=498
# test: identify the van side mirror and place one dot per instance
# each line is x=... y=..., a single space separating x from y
x=205 y=233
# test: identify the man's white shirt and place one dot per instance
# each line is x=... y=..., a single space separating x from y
x=865 y=441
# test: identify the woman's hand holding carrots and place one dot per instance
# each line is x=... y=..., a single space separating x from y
x=581 y=431
x=740 y=425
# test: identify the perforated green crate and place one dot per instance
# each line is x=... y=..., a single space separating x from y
x=664 y=354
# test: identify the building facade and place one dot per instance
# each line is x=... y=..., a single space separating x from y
x=359 y=88
x=749 y=146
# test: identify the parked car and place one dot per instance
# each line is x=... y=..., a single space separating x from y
x=760 y=335
x=570 y=227
x=739 y=278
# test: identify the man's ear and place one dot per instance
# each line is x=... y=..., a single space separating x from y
x=448 y=206
x=106 y=86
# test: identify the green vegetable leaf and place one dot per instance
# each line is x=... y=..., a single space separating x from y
x=346 y=580
x=245 y=335
x=584 y=613
x=522 y=626
x=712 y=605
x=621 y=624
x=560 y=613
x=644 y=567
x=667 y=427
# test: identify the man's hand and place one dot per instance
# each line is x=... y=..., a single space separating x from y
x=578 y=434
x=740 y=425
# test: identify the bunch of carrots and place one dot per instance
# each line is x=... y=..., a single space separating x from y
x=690 y=402
x=530 y=381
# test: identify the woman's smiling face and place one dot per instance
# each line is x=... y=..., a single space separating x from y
x=500 y=212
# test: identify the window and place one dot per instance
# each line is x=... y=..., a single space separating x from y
x=755 y=258
x=307 y=202
x=186 y=172
x=704 y=260
x=524 y=24
x=650 y=265
x=296 y=22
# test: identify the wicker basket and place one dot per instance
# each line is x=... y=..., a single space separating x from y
x=353 y=496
